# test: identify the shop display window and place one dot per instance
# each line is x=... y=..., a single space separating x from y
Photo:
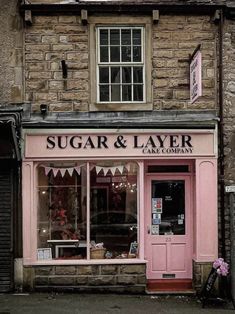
x=87 y=215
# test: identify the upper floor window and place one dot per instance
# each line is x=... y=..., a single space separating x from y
x=120 y=64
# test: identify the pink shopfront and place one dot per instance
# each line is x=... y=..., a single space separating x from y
x=121 y=197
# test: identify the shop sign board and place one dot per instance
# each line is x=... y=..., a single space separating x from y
x=120 y=144
x=196 y=76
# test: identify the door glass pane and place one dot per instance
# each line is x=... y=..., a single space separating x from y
x=168 y=207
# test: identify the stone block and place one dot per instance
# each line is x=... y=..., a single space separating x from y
x=63 y=39
x=61 y=107
x=182 y=94
x=126 y=280
x=77 y=85
x=45 y=96
x=160 y=83
x=77 y=56
x=36 y=85
x=173 y=105
x=36 y=66
x=80 y=105
x=58 y=75
x=109 y=269
x=141 y=279
x=88 y=270
x=32 y=47
x=41 y=281
x=101 y=280
x=81 y=46
x=50 y=39
x=82 y=280
x=80 y=74
x=54 y=56
x=77 y=65
x=70 y=29
x=78 y=38
x=132 y=269
x=57 y=85
x=62 y=47
x=163 y=53
x=61 y=280
x=54 y=66
x=65 y=270
x=43 y=271
x=34 y=56
x=40 y=75
x=45 y=20
x=73 y=96
x=33 y=38
x=67 y=19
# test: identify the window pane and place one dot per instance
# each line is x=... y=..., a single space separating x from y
x=104 y=37
x=136 y=36
x=113 y=205
x=172 y=195
x=126 y=54
x=136 y=54
x=62 y=212
x=137 y=75
x=104 y=75
x=126 y=93
x=115 y=75
x=115 y=37
x=115 y=54
x=126 y=37
x=138 y=92
x=115 y=93
x=126 y=75
x=104 y=54
x=104 y=92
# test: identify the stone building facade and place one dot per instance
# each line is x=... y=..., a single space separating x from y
x=61 y=90
x=11 y=97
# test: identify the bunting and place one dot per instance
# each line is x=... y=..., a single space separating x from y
x=62 y=171
x=98 y=169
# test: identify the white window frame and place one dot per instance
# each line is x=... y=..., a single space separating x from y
x=120 y=64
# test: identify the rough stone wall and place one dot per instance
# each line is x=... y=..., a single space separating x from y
x=48 y=41
x=174 y=39
x=116 y=278
x=51 y=39
x=229 y=118
x=11 y=52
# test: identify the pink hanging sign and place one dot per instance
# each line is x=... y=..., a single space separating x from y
x=196 y=77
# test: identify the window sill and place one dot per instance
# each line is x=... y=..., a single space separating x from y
x=121 y=107
x=86 y=262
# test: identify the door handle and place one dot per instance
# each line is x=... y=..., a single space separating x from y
x=148 y=229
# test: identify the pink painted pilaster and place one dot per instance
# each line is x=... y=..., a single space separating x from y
x=29 y=216
x=206 y=211
x=141 y=207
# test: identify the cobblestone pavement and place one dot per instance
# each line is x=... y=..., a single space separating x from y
x=43 y=303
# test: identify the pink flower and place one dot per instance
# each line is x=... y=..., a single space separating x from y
x=217 y=263
x=221 y=267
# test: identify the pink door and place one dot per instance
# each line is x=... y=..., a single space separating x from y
x=168 y=227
